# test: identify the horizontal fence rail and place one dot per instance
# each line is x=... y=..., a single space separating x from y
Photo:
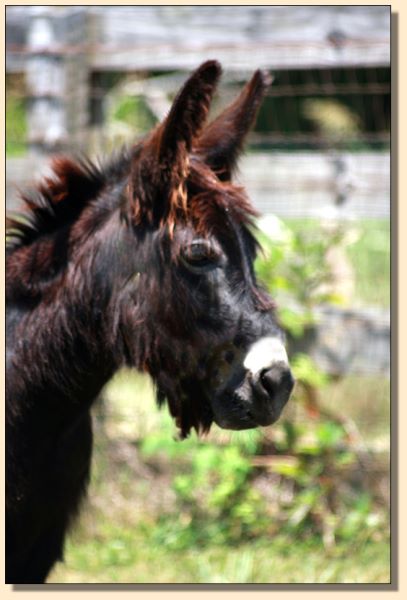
x=300 y=184
x=345 y=341
x=318 y=185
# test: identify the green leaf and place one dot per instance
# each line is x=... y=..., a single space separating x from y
x=329 y=434
x=306 y=370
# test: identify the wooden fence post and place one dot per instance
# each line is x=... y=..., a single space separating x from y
x=47 y=131
x=76 y=33
x=56 y=75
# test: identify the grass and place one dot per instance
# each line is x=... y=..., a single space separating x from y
x=117 y=554
x=120 y=537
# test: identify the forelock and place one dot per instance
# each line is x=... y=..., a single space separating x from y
x=213 y=204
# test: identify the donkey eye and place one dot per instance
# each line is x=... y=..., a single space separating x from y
x=199 y=255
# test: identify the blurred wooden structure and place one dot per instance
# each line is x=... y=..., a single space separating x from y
x=178 y=37
x=311 y=192
x=60 y=48
x=348 y=341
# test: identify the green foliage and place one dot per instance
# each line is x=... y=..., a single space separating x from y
x=297 y=510
x=16 y=126
x=315 y=460
x=306 y=371
x=368 y=253
x=312 y=461
x=332 y=117
x=293 y=265
x=134 y=112
x=215 y=499
x=370 y=256
x=217 y=503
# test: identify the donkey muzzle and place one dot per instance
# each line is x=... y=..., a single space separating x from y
x=270 y=379
x=271 y=389
x=258 y=395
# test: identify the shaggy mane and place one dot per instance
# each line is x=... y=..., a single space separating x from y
x=59 y=199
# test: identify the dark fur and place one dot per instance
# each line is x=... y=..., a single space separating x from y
x=97 y=279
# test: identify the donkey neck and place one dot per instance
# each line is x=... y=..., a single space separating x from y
x=56 y=357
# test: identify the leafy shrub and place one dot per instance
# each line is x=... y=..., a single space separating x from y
x=293 y=266
x=215 y=497
x=320 y=461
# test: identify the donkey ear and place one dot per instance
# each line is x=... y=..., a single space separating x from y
x=188 y=112
x=222 y=141
x=160 y=168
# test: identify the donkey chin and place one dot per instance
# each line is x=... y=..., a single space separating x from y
x=256 y=389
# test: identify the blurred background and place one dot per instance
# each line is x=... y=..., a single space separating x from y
x=306 y=501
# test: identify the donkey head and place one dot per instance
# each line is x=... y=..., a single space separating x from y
x=192 y=313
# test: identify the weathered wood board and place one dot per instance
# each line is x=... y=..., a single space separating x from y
x=130 y=38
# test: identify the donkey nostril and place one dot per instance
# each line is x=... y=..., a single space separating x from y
x=276 y=378
x=269 y=381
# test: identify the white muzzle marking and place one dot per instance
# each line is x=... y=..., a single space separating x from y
x=264 y=353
